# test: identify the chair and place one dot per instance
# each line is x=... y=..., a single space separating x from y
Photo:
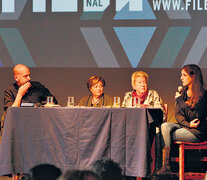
x=189 y=146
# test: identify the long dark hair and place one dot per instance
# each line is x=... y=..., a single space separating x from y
x=197 y=84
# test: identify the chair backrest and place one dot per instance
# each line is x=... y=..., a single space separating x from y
x=190 y=146
x=165 y=107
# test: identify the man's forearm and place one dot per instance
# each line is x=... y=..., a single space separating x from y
x=17 y=101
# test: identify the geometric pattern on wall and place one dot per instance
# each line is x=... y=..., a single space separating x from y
x=91 y=15
x=16 y=47
x=125 y=14
x=178 y=14
x=19 y=6
x=99 y=47
x=109 y=39
x=198 y=49
x=170 y=47
x=134 y=41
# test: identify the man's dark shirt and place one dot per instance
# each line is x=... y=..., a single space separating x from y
x=36 y=94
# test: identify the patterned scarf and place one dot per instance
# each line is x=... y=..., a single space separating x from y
x=142 y=97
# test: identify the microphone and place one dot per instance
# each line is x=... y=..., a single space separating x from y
x=178 y=93
x=180 y=88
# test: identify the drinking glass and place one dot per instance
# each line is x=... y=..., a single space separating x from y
x=70 y=101
x=49 y=100
x=116 y=102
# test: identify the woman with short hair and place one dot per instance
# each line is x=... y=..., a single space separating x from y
x=97 y=98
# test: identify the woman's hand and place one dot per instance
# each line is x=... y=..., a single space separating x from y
x=194 y=123
x=177 y=94
x=145 y=105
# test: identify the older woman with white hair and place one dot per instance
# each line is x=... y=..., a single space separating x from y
x=147 y=98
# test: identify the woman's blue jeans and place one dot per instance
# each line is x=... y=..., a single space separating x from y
x=174 y=132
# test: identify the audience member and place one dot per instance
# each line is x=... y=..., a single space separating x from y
x=44 y=172
x=79 y=175
x=108 y=169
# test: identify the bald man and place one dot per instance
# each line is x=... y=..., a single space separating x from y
x=23 y=90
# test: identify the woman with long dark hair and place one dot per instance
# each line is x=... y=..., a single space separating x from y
x=190 y=113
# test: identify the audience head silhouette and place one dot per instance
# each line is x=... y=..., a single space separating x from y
x=44 y=172
x=79 y=175
x=108 y=169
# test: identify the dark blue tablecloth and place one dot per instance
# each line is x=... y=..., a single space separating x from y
x=76 y=137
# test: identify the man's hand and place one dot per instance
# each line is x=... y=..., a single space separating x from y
x=194 y=123
x=21 y=92
x=23 y=89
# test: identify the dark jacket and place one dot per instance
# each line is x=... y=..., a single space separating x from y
x=184 y=114
x=105 y=100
